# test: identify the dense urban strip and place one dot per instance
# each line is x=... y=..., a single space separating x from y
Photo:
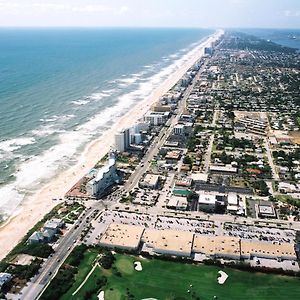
x=209 y=178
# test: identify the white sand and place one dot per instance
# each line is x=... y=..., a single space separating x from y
x=101 y=295
x=138 y=266
x=35 y=207
x=222 y=278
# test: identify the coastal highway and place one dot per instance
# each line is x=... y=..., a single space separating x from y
x=160 y=140
x=49 y=269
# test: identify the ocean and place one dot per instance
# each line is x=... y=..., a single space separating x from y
x=62 y=88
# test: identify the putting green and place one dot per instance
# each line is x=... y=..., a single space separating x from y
x=124 y=265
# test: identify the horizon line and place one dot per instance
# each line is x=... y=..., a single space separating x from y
x=141 y=27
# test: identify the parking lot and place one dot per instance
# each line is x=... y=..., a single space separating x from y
x=185 y=224
x=259 y=233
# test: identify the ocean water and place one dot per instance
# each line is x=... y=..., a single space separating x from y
x=61 y=88
x=285 y=37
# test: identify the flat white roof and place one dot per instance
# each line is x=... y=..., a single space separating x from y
x=223 y=168
x=232 y=199
x=232 y=207
x=169 y=240
x=122 y=235
x=151 y=179
x=207 y=199
x=199 y=176
x=266 y=209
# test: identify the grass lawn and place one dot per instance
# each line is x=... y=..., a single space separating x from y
x=166 y=280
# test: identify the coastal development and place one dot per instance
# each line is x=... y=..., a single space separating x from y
x=207 y=179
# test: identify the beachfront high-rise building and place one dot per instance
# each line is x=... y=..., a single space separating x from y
x=122 y=140
x=156 y=118
x=208 y=50
x=106 y=177
x=119 y=142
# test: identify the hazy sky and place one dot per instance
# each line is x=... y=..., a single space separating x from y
x=158 y=13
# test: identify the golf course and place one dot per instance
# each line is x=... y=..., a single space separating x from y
x=166 y=280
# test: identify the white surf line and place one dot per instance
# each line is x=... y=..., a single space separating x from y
x=86 y=278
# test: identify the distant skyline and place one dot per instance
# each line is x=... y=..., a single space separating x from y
x=151 y=13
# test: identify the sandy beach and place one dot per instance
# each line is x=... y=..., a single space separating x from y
x=34 y=208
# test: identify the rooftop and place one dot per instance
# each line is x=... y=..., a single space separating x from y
x=257 y=248
x=206 y=199
x=122 y=235
x=151 y=179
x=216 y=245
x=169 y=241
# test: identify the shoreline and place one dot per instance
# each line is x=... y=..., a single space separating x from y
x=35 y=207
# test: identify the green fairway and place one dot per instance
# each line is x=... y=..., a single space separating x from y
x=165 y=280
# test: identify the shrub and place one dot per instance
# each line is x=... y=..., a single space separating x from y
x=107 y=260
x=60 y=284
x=76 y=255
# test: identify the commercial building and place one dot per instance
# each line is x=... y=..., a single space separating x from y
x=173 y=156
x=178 y=203
x=150 y=181
x=217 y=246
x=168 y=242
x=256 y=126
x=122 y=236
x=156 y=118
x=199 y=177
x=207 y=202
x=181 y=243
x=265 y=209
x=178 y=129
x=232 y=203
x=227 y=169
x=106 y=177
x=281 y=251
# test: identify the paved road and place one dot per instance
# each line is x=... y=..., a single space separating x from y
x=66 y=245
x=210 y=144
x=270 y=159
x=208 y=153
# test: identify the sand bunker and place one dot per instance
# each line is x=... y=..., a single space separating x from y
x=101 y=295
x=138 y=266
x=222 y=278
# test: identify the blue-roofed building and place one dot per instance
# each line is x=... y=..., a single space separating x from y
x=36 y=238
x=4 y=278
